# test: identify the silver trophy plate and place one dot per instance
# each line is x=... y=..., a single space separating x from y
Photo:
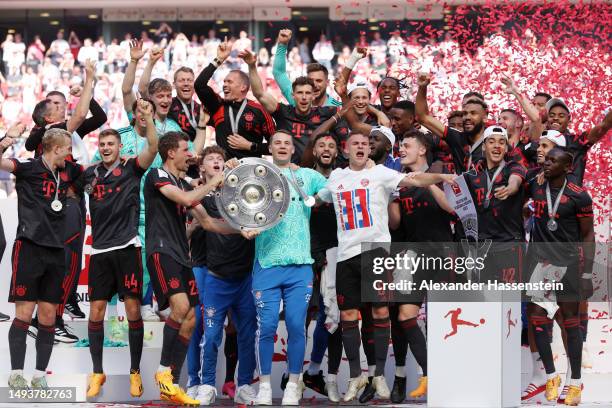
x=255 y=195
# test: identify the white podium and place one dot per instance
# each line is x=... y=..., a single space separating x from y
x=474 y=354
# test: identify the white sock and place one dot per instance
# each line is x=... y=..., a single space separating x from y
x=400 y=371
x=313 y=368
x=568 y=375
x=294 y=378
x=17 y=372
x=551 y=375
x=538 y=376
x=371 y=370
x=576 y=382
x=264 y=379
x=162 y=368
x=331 y=378
x=39 y=374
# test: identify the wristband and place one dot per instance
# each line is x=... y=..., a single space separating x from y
x=353 y=59
x=587 y=276
x=134 y=60
x=188 y=179
x=216 y=62
x=201 y=127
x=335 y=119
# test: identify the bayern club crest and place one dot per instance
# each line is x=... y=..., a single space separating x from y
x=249 y=116
x=365 y=182
x=210 y=311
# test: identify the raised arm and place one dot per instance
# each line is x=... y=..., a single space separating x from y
x=599 y=131
x=536 y=127
x=7 y=141
x=422 y=109
x=199 y=143
x=155 y=54
x=266 y=99
x=210 y=100
x=323 y=129
x=357 y=54
x=97 y=119
x=146 y=157
x=82 y=108
x=136 y=53
x=279 y=68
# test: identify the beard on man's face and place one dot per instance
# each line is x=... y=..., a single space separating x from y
x=477 y=128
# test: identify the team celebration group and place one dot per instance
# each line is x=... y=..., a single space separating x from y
x=376 y=173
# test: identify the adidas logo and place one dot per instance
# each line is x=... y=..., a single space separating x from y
x=340 y=187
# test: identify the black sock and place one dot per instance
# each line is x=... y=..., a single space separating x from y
x=17 y=343
x=367 y=335
x=584 y=325
x=334 y=351
x=351 y=342
x=230 y=349
x=574 y=344
x=400 y=344
x=135 y=336
x=416 y=339
x=382 y=331
x=542 y=340
x=179 y=352
x=44 y=345
x=171 y=329
x=95 y=331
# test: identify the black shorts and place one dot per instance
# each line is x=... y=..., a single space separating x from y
x=116 y=272
x=349 y=283
x=170 y=277
x=38 y=273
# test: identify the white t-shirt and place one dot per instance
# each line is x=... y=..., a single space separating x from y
x=361 y=200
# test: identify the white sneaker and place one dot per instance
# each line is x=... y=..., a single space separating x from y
x=354 y=385
x=292 y=395
x=148 y=314
x=586 y=357
x=264 y=396
x=192 y=392
x=380 y=385
x=206 y=394
x=245 y=394
x=332 y=391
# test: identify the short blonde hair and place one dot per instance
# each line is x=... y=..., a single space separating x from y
x=54 y=137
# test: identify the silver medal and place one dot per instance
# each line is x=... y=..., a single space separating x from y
x=88 y=189
x=552 y=225
x=56 y=205
x=486 y=203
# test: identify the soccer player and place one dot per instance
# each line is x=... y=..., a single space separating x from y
x=227 y=287
x=422 y=215
x=300 y=119
x=38 y=252
x=283 y=270
x=455 y=120
x=563 y=214
x=241 y=125
x=167 y=195
x=322 y=238
x=115 y=265
x=316 y=72
x=361 y=199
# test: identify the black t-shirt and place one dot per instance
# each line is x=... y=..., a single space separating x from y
x=578 y=145
x=165 y=221
x=301 y=126
x=179 y=115
x=323 y=229
x=422 y=219
x=114 y=202
x=461 y=150
x=229 y=256
x=502 y=221
x=36 y=187
x=574 y=204
x=197 y=244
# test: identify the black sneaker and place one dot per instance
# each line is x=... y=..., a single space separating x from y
x=315 y=382
x=73 y=310
x=398 y=393
x=284 y=381
x=33 y=329
x=4 y=317
x=368 y=392
x=63 y=335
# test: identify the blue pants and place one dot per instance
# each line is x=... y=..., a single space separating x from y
x=193 y=352
x=320 y=336
x=220 y=296
x=292 y=284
